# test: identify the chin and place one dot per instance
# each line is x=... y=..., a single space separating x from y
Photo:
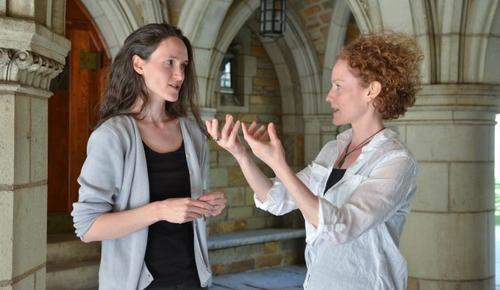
x=171 y=99
x=338 y=122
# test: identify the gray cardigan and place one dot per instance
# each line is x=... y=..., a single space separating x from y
x=114 y=178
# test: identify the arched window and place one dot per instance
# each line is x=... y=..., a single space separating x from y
x=226 y=75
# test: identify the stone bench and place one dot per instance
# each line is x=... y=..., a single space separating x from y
x=256 y=249
x=72 y=264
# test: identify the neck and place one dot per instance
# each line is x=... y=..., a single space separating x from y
x=154 y=111
x=360 y=132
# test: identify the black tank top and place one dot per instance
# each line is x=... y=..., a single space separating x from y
x=335 y=176
x=170 y=248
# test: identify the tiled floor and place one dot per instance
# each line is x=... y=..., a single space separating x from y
x=286 y=278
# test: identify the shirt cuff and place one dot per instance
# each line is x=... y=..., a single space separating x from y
x=273 y=195
x=328 y=220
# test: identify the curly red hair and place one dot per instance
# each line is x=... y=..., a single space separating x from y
x=392 y=59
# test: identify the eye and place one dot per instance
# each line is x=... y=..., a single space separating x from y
x=169 y=62
x=337 y=87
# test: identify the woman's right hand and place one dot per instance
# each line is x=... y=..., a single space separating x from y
x=228 y=137
x=182 y=210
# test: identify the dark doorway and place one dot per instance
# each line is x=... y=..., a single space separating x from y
x=73 y=111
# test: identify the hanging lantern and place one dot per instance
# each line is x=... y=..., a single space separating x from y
x=272 y=18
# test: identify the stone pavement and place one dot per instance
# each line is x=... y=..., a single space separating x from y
x=286 y=278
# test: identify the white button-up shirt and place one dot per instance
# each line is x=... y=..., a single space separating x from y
x=361 y=218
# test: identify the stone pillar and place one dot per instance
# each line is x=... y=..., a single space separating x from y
x=449 y=237
x=312 y=138
x=30 y=56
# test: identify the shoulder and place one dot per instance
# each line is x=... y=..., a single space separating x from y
x=329 y=147
x=394 y=151
x=117 y=129
x=394 y=146
x=117 y=123
x=327 y=154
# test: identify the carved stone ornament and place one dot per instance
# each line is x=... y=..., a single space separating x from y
x=28 y=68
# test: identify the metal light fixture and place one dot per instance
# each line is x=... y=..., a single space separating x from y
x=272 y=18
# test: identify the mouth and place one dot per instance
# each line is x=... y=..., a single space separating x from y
x=175 y=86
x=335 y=110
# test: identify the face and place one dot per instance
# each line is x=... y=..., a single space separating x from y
x=164 y=71
x=348 y=98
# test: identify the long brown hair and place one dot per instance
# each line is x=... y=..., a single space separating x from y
x=125 y=86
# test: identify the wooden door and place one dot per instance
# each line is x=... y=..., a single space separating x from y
x=74 y=106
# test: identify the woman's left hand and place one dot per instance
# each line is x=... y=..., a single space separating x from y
x=216 y=199
x=269 y=150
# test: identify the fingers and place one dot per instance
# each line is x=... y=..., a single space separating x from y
x=213 y=128
x=246 y=134
x=259 y=132
x=271 y=130
x=227 y=126
x=216 y=199
x=264 y=137
x=252 y=127
x=212 y=195
x=199 y=206
x=234 y=132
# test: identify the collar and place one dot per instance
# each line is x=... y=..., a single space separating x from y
x=389 y=133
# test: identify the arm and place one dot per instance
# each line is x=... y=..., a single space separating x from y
x=114 y=225
x=372 y=202
x=100 y=180
x=229 y=140
x=272 y=153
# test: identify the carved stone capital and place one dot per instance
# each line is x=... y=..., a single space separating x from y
x=28 y=68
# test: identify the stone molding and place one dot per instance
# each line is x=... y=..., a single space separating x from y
x=474 y=97
x=28 y=68
x=22 y=34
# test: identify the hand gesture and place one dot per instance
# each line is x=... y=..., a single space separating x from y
x=216 y=199
x=266 y=146
x=228 y=137
x=182 y=210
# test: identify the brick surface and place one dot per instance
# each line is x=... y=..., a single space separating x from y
x=268 y=261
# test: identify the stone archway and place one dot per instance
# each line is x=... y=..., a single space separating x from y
x=116 y=19
x=304 y=67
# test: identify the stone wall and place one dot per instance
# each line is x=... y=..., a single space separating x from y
x=257 y=256
x=264 y=105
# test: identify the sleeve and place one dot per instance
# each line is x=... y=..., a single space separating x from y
x=376 y=199
x=279 y=201
x=100 y=179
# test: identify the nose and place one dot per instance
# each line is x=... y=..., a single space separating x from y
x=329 y=96
x=179 y=73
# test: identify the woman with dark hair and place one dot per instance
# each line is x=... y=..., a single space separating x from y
x=355 y=196
x=142 y=186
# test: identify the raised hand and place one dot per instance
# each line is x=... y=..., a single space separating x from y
x=182 y=210
x=216 y=199
x=265 y=145
x=228 y=137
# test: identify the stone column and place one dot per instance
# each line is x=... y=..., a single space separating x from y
x=449 y=237
x=30 y=56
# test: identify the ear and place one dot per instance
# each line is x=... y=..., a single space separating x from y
x=138 y=63
x=374 y=89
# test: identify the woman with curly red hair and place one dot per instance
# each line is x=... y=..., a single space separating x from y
x=355 y=196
